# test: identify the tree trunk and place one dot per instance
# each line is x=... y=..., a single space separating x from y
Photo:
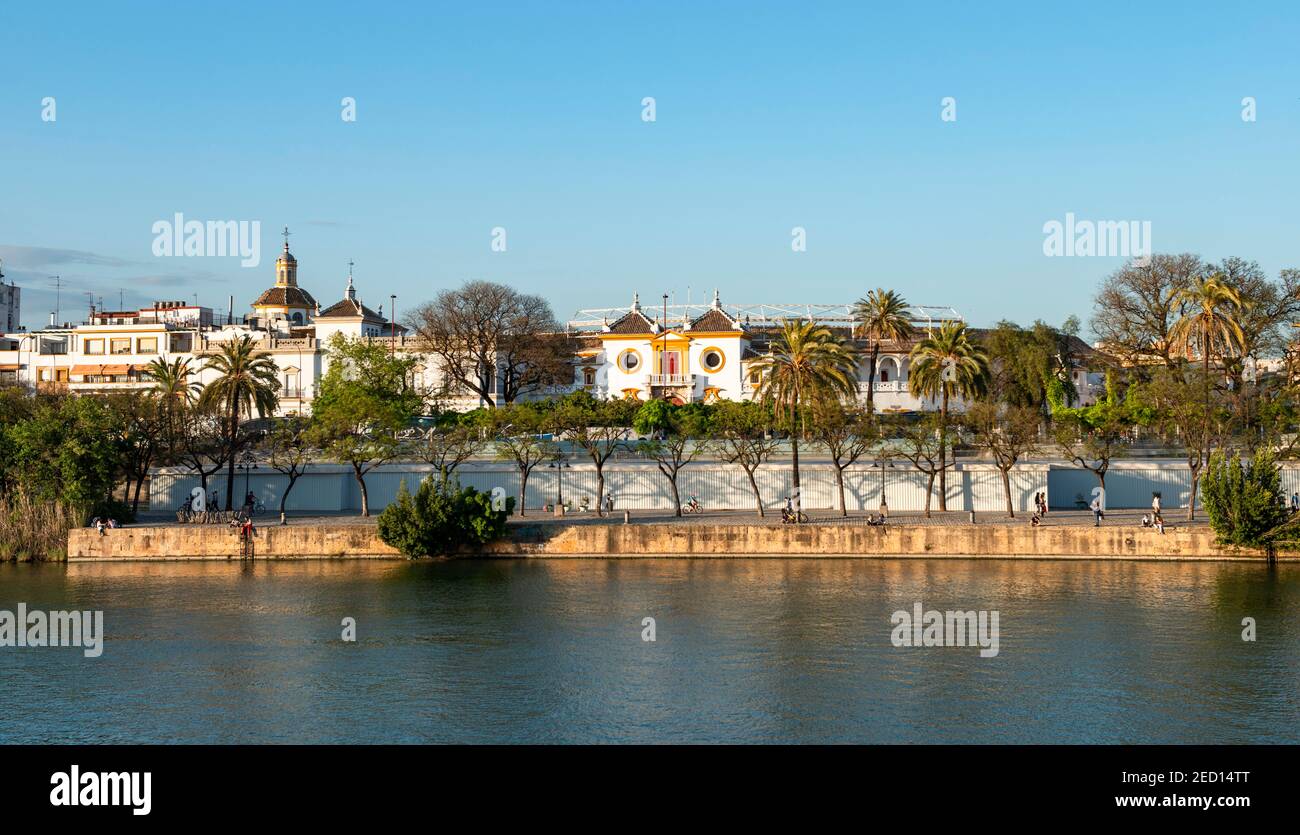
x=365 y=496
x=794 y=450
x=1191 y=505
x=839 y=482
x=1006 y=490
x=284 y=497
x=523 y=490
x=234 y=442
x=135 y=501
x=753 y=485
x=871 y=378
x=929 y=492
x=672 y=482
x=943 y=451
x=600 y=489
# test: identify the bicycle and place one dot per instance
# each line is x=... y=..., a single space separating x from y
x=789 y=516
x=693 y=506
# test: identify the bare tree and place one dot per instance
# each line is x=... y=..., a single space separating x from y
x=847 y=434
x=919 y=442
x=742 y=435
x=1135 y=309
x=494 y=341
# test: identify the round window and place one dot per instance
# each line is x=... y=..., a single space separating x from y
x=712 y=359
x=629 y=360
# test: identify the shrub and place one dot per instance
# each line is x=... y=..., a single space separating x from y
x=439 y=519
x=1243 y=499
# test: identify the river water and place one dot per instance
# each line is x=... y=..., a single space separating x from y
x=745 y=650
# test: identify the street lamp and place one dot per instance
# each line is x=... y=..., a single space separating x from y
x=559 y=465
x=884 y=505
x=247 y=463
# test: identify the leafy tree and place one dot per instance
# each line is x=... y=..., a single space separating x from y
x=289 y=452
x=681 y=430
x=1029 y=367
x=742 y=435
x=364 y=400
x=451 y=441
x=201 y=444
x=1007 y=433
x=806 y=364
x=1209 y=326
x=1184 y=419
x=947 y=364
x=1092 y=436
x=69 y=450
x=146 y=431
x=883 y=315
x=173 y=386
x=1243 y=499
x=440 y=519
x=920 y=442
x=847 y=434
x=247 y=379
x=599 y=428
x=517 y=433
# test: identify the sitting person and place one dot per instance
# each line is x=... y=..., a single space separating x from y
x=1159 y=523
x=1035 y=520
x=1146 y=520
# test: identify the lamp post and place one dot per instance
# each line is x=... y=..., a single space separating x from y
x=878 y=464
x=247 y=463
x=559 y=465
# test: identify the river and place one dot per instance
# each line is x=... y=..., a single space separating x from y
x=745 y=650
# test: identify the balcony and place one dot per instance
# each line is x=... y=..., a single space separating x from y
x=672 y=380
x=883 y=385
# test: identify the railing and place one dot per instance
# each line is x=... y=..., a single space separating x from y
x=672 y=379
x=883 y=385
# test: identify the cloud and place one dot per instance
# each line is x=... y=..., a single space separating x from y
x=38 y=257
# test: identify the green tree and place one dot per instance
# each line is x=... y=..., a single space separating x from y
x=883 y=315
x=919 y=442
x=742 y=435
x=450 y=441
x=1007 y=433
x=247 y=380
x=70 y=450
x=848 y=434
x=600 y=428
x=364 y=400
x=440 y=519
x=175 y=390
x=518 y=434
x=948 y=364
x=681 y=430
x=1243 y=499
x=289 y=451
x=806 y=364
x=1092 y=436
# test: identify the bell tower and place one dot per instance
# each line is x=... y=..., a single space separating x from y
x=286 y=266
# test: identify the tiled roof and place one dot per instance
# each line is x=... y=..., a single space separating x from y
x=347 y=308
x=285 y=297
x=713 y=320
x=632 y=322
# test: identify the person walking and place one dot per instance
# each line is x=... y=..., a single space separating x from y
x=1295 y=502
x=1155 y=503
x=1097 y=514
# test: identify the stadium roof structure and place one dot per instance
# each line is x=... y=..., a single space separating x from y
x=594 y=318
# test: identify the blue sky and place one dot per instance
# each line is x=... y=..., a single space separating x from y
x=527 y=116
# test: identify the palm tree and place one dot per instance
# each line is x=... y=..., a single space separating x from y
x=1208 y=325
x=172 y=385
x=806 y=363
x=247 y=379
x=945 y=364
x=883 y=315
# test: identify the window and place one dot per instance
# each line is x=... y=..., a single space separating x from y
x=884 y=375
x=589 y=376
x=120 y=346
x=629 y=360
x=94 y=346
x=147 y=345
x=755 y=377
x=713 y=359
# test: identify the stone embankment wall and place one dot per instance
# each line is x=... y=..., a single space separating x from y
x=176 y=542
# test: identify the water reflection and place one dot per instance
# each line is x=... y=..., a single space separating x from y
x=747 y=650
